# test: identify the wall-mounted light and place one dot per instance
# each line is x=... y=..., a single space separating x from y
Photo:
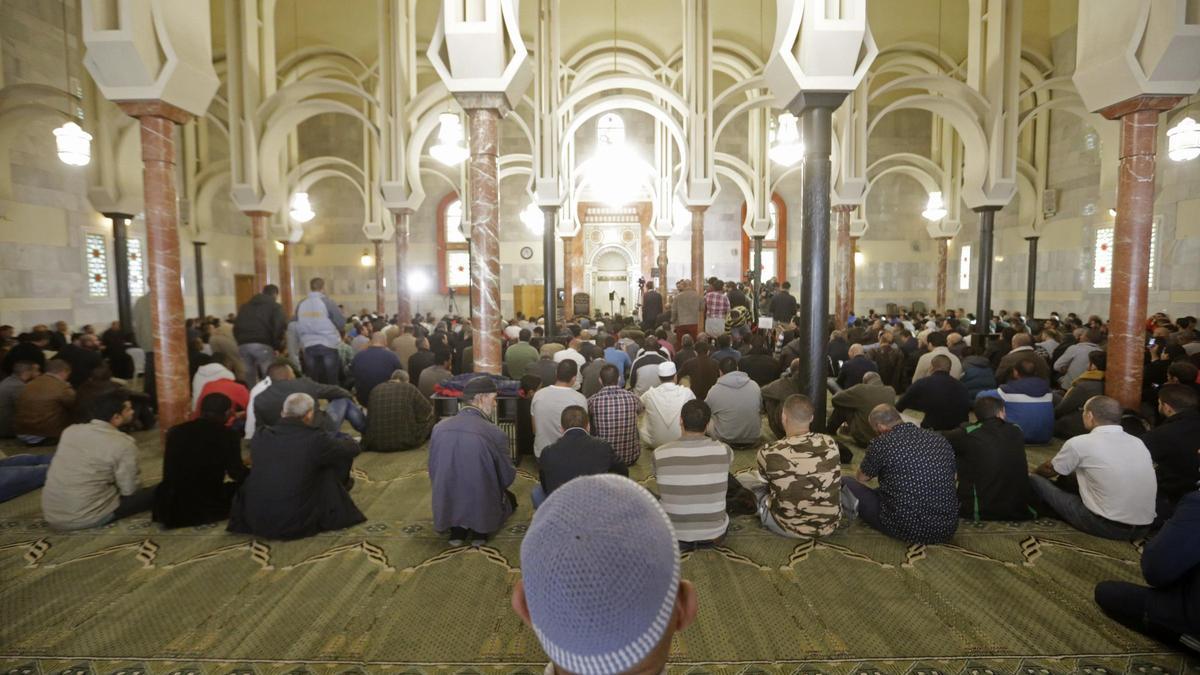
x=450 y=149
x=1112 y=213
x=1183 y=140
x=998 y=258
x=935 y=208
x=279 y=246
x=531 y=216
x=367 y=259
x=74 y=144
x=418 y=282
x=859 y=258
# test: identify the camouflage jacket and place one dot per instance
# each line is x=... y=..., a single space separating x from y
x=805 y=477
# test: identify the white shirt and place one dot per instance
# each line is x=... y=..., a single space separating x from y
x=546 y=408
x=925 y=364
x=1115 y=474
x=573 y=354
x=258 y=389
x=660 y=422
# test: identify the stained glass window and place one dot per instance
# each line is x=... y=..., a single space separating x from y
x=1153 y=251
x=97 y=266
x=137 y=268
x=1102 y=260
x=964 y=268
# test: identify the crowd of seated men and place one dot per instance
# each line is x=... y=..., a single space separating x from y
x=690 y=385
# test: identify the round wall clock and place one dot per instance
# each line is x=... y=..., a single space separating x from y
x=526 y=253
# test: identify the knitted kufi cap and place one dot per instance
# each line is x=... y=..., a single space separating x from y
x=601 y=570
x=666 y=369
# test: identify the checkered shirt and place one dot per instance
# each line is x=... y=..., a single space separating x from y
x=716 y=305
x=614 y=412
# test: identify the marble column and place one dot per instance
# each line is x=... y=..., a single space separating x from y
x=852 y=272
x=120 y=229
x=698 y=247
x=403 y=300
x=1131 y=244
x=943 y=246
x=483 y=118
x=757 y=279
x=568 y=248
x=258 y=240
x=983 y=293
x=285 y=278
x=1031 y=278
x=380 y=304
x=813 y=320
x=662 y=266
x=549 y=284
x=158 y=120
x=845 y=266
x=198 y=258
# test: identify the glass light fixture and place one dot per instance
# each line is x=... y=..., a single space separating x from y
x=279 y=246
x=615 y=178
x=449 y=149
x=74 y=144
x=367 y=259
x=418 y=282
x=1183 y=140
x=859 y=258
x=935 y=208
x=1112 y=213
x=786 y=148
x=531 y=216
x=302 y=211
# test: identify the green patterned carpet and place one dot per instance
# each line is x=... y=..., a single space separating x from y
x=390 y=595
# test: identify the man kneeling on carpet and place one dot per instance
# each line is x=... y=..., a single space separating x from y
x=600 y=582
x=300 y=481
x=470 y=469
x=799 y=478
x=93 y=478
x=916 y=500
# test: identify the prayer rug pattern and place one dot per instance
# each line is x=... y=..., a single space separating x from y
x=390 y=595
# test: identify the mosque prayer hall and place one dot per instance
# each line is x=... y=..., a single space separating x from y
x=591 y=337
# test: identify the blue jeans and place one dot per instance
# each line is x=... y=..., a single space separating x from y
x=865 y=500
x=258 y=358
x=537 y=496
x=22 y=473
x=322 y=364
x=344 y=410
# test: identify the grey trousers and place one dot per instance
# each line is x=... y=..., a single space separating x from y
x=1071 y=509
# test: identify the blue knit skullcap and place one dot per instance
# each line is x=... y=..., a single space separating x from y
x=601 y=569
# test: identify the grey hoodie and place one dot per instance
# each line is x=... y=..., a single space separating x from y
x=736 y=402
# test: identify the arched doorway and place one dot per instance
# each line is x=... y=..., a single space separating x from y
x=612 y=271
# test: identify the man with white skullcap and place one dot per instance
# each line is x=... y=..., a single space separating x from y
x=660 y=424
x=601 y=581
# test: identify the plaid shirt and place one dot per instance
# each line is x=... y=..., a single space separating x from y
x=716 y=305
x=400 y=418
x=614 y=412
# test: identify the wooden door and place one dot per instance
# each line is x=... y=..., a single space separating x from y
x=243 y=288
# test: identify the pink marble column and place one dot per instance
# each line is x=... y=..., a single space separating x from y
x=943 y=244
x=258 y=240
x=1131 y=245
x=285 y=278
x=698 y=247
x=380 y=305
x=844 y=276
x=158 y=120
x=403 y=302
x=483 y=122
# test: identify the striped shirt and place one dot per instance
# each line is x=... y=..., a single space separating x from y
x=692 y=476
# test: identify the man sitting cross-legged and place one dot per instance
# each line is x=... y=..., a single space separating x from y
x=198 y=455
x=470 y=468
x=693 y=475
x=1174 y=445
x=736 y=404
x=799 y=479
x=549 y=402
x=300 y=482
x=401 y=418
x=916 y=500
x=607 y=540
x=576 y=453
x=660 y=423
x=942 y=398
x=93 y=478
x=1027 y=400
x=993 y=479
x=613 y=412
x=1117 y=487
x=855 y=404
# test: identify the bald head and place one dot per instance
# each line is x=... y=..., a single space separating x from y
x=1022 y=340
x=872 y=377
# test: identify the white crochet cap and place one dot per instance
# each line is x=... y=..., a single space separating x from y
x=601 y=570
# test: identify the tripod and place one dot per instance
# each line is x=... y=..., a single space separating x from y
x=451 y=305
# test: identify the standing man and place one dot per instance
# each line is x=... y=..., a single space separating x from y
x=320 y=324
x=652 y=307
x=783 y=305
x=259 y=330
x=716 y=308
x=686 y=309
x=470 y=469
